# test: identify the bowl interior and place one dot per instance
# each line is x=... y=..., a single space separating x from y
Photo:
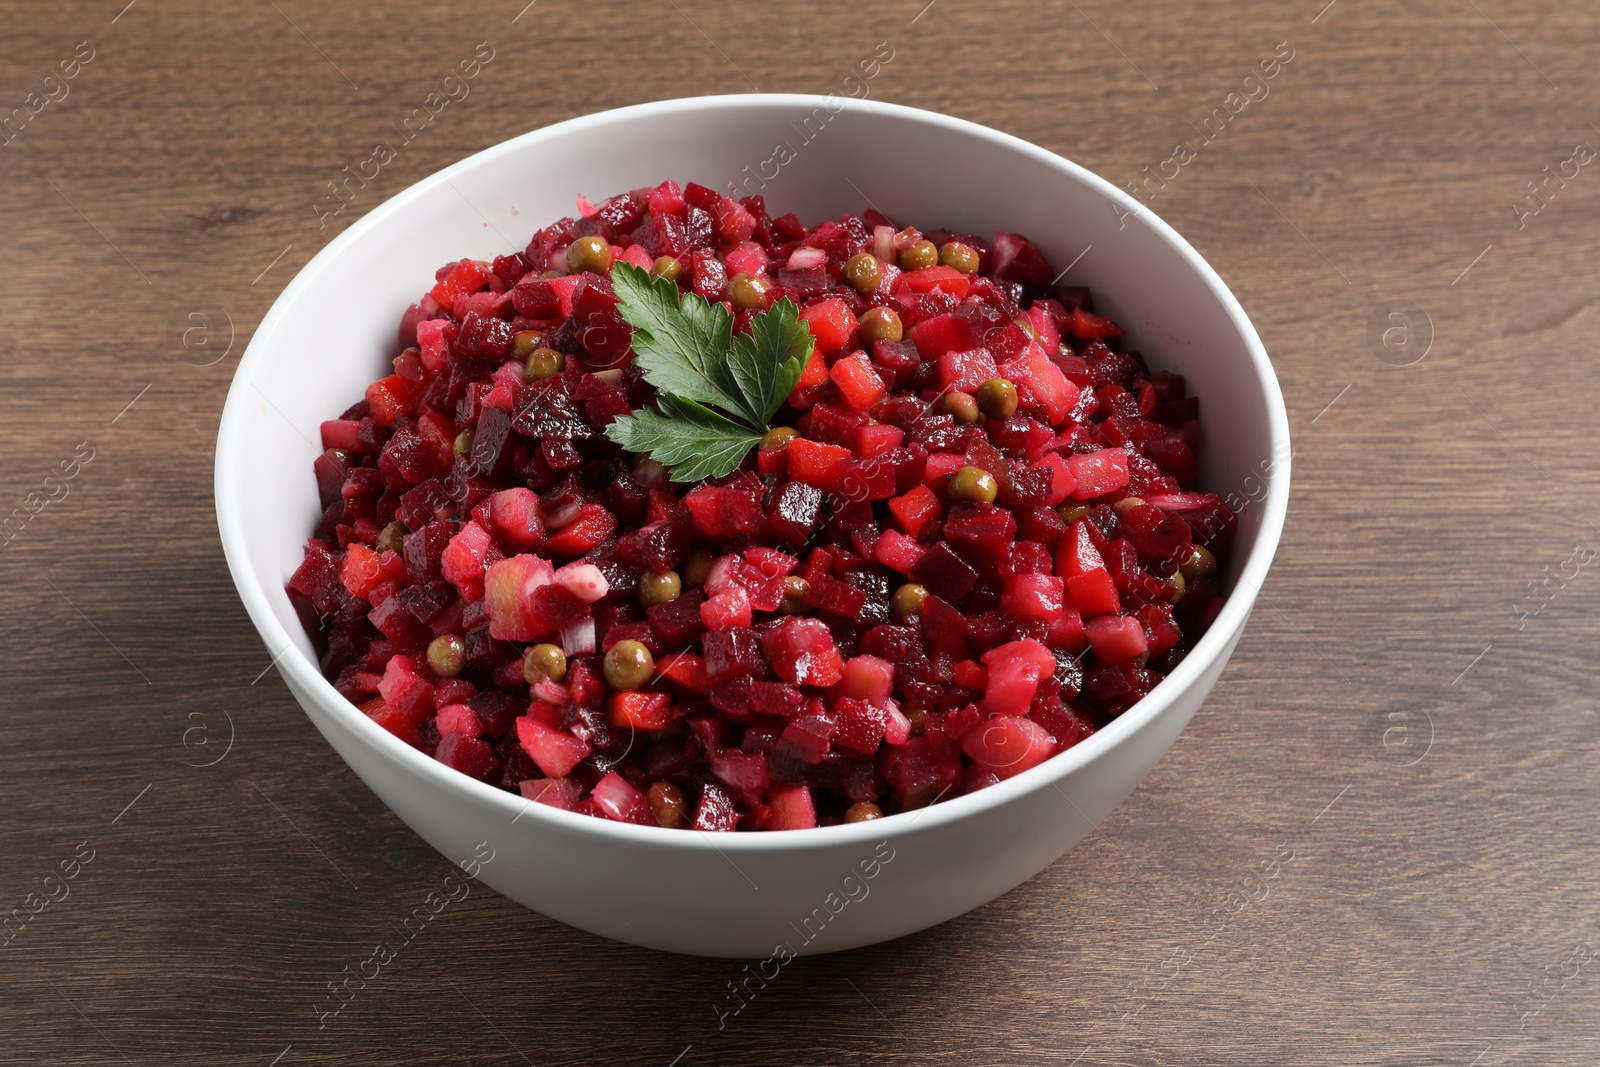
x=333 y=330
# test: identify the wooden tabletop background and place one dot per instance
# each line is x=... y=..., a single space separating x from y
x=1375 y=844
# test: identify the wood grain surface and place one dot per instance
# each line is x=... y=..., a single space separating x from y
x=1375 y=844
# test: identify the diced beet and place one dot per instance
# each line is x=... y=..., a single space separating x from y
x=424 y=551
x=677 y=622
x=945 y=573
x=496 y=709
x=791 y=808
x=733 y=652
x=467 y=754
x=983 y=533
x=923 y=770
x=802 y=652
x=732 y=698
x=860 y=725
x=1098 y=473
x=1034 y=596
x=1007 y=745
x=743 y=772
x=866 y=479
x=1015 y=259
x=794 y=512
x=868 y=678
x=1156 y=534
x=1116 y=638
x=830 y=594
x=966 y=371
x=716 y=809
x=774 y=698
x=555 y=751
x=807 y=737
x=836 y=425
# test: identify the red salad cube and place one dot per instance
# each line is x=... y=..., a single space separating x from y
x=555 y=751
x=965 y=371
x=898 y=551
x=802 y=652
x=562 y=793
x=1034 y=596
x=936 y=279
x=467 y=276
x=1041 y=382
x=915 y=509
x=830 y=322
x=792 y=809
x=941 y=334
x=1007 y=745
x=1015 y=671
x=1086 y=324
x=514 y=514
x=615 y=799
x=405 y=690
x=858 y=381
x=868 y=678
x=641 y=711
x=1099 y=473
x=469 y=755
x=1116 y=638
x=816 y=464
x=509 y=588
x=464 y=558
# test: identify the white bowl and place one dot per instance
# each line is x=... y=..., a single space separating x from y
x=332 y=332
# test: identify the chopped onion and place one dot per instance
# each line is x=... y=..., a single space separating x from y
x=897 y=731
x=577 y=639
x=584 y=581
x=651 y=474
x=720 y=576
x=551 y=692
x=806 y=257
x=561 y=514
x=883 y=243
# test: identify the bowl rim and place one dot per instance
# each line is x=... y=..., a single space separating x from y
x=304 y=675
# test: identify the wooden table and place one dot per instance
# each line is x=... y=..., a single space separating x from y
x=1374 y=845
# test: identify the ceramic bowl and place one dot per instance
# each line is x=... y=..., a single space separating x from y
x=332 y=332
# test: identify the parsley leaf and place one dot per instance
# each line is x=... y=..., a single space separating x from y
x=768 y=360
x=686 y=436
x=681 y=345
x=684 y=346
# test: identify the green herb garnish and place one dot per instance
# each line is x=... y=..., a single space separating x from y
x=716 y=393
